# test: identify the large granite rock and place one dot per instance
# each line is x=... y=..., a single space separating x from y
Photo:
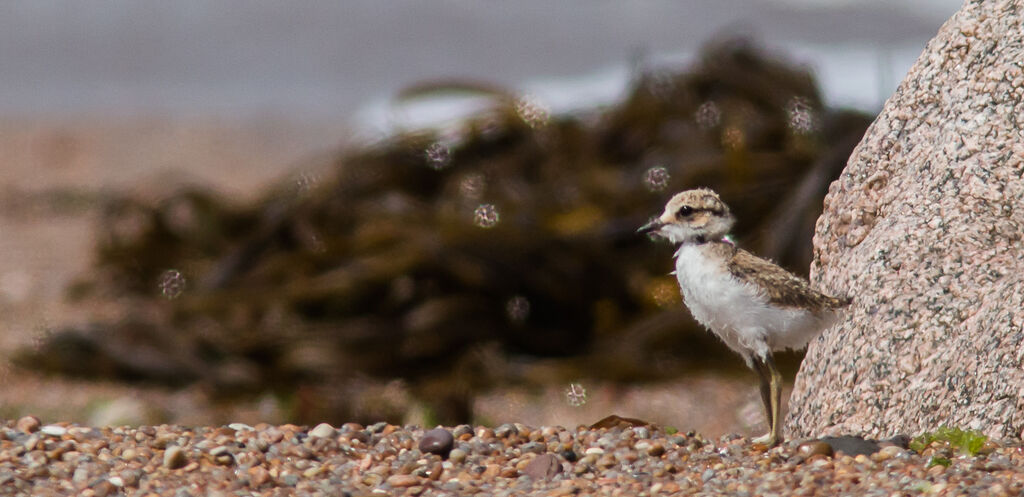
x=923 y=230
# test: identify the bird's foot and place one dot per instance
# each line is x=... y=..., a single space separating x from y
x=769 y=439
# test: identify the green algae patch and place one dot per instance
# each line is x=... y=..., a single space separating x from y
x=967 y=442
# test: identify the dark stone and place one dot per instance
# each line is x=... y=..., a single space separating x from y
x=569 y=455
x=852 y=446
x=902 y=441
x=437 y=441
x=544 y=466
x=616 y=421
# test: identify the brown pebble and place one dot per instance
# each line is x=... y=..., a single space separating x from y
x=175 y=457
x=656 y=449
x=670 y=487
x=435 y=471
x=402 y=481
x=104 y=488
x=814 y=448
x=258 y=475
x=491 y=471
x=564 y=491
x=28 y=424
x=543 y=467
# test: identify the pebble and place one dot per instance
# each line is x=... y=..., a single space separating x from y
x=402 y=480
x=852 y=446
x=283 y=460
x=53 y=430
x=544 y=466
x=174 y=457
x=457 y=456
x=815 y=448
x=437 y=441
x=323 y=430
x=28 y=424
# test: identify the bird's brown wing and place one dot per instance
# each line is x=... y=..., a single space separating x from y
x=781 y=287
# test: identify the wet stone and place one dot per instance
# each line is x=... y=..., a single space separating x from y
x=815 y=448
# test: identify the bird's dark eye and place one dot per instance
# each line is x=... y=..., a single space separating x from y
x=684 y=211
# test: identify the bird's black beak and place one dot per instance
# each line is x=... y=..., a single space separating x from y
x=652 y=227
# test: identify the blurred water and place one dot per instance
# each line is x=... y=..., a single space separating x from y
x=330 y=59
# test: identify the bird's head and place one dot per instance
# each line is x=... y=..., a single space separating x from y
x=693 y=216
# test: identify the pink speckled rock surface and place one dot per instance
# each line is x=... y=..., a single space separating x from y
x=924 y=231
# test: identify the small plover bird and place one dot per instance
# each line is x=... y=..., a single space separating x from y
x=753 y=305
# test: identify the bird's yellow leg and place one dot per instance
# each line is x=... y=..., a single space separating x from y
x=771 y=395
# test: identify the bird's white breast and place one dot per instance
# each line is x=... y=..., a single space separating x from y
x=738 y=312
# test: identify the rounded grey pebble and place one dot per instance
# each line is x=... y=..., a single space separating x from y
x=506 y=430
x=437 y=441
x=131 y=477
x=457 y=456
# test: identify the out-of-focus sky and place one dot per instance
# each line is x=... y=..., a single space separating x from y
x=330 y=59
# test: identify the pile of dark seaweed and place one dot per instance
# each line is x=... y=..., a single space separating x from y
x=458 y=259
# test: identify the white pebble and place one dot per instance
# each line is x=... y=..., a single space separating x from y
x=53 y=430
x=323 y=430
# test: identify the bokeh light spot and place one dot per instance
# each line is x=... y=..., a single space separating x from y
x=532 y=112
x=665 y=293
x=708 y=115
x=472 y=186
x=576 y=395
x=172 y=283
x=733 y=138
x=656 y=179
x=518 y=309
x=802 y=117
x=486 y=216
x=438 y=155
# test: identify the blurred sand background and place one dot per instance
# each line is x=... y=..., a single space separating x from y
x=144 y=97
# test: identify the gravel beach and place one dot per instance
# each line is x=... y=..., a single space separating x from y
x=511 y=459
